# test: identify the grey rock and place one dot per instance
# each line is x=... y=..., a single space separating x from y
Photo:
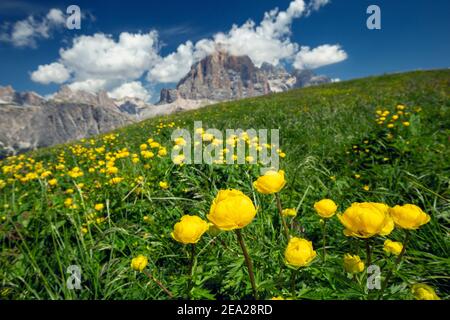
x=25 y=127
x=221 y=77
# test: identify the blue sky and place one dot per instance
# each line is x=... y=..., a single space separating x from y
x=413 y=35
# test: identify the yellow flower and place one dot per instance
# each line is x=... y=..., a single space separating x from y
x=409 y=216
x=357 y=176
x=390 y=125
x=116 y=180
x=393 y=247
x=179 y=159
x=299 y=252
x=366 y=187
x=325 y=208
x=277 y=298
x=53 y=182
x=270 y=182
x=99 y=207
x=422 y=291
x=231 y=209
x=164 y=185
x=353 y=263
x=84 y=230
x=68 y=202
x=162 y=152
x=289 y=212
x=366 y=219
x=189 y=229
x=139 y=263
x=180 y=141
x=400 y=107
x=112 y=170
x=143 y=147
x=406 y=123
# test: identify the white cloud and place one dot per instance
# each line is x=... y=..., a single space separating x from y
x=318 y=57
x=54 y=72
x=267 y=42
x=317 y=4
x=101 y=61
x=88 y=85
x=101 y=57
x=132 y=89
x=56 y=16
x=176 y=65
x=26 y=32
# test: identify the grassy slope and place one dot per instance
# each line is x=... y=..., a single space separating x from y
x=318 y=127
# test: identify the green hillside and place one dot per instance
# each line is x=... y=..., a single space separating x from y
x=100 y=202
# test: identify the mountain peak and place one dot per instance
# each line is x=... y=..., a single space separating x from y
x=221 y=76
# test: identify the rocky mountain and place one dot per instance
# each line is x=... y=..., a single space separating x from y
x=221 y=76
x=28 y=121
x=9 y=96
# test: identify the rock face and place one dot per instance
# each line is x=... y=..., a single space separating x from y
x=221 y=76
x=9 y=96
x=28 y=121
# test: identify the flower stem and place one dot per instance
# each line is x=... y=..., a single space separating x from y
x=148 y=274
x=191 y=269
x=324 y=240
x=248 y=261
x=283 y=221
x=368 y=253
x=397 y=261
x=293 y=279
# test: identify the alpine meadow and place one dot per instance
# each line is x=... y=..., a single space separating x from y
x=358 y=209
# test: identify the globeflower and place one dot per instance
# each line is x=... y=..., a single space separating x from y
x=189 y=229
x=231 y=209
x=353 y=263
x=422 y=291
x=270 y=182
x=366 y=219
x=299 y=252
x=139 y=263
x=325 y=208
x=163 y=185
x=290 y=212
x=393 y=247
x=409 y=216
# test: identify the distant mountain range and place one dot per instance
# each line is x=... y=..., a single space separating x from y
x=29 y=121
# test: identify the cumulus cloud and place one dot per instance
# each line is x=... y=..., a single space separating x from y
x=101 y=62
x=265 y=42
x=132 y=89
x=119 y=65
x=26 y=32
x=176 y=65
x=320 y=56
x=48 y=73
x=88 y=85
x=100 y=56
